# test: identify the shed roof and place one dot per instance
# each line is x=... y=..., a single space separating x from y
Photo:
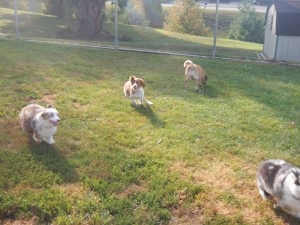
x=287 y=6
x=288 y=17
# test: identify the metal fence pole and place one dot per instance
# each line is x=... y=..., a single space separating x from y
x=16 y=19
x=216 y=29
x=116 y=24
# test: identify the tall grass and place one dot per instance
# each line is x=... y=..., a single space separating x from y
x=189 y=159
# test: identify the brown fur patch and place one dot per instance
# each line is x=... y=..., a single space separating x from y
x=140 y=82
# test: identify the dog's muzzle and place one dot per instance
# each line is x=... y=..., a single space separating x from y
x=55 y=123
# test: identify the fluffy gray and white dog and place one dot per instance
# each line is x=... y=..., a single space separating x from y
x=39 y=122
x=279 y=181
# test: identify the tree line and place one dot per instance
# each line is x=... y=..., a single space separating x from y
x=86 y=17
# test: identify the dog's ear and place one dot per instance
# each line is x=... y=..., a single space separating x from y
x=44 y=114
x=140 y=82
x=132 y=79
x=50 y=106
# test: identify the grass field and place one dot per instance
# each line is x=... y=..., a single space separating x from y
x=189 y=159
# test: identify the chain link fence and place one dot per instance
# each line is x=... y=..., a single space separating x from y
x=119 y=33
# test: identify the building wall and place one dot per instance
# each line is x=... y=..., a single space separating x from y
x=288 y=48
x=279 y=48
x=270 y=37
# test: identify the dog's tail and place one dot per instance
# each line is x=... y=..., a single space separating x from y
x=188 y=62
x=148 y=102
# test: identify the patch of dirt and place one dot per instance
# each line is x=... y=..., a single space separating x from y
x=49 y=99
x=32 y=221
x=132 y=189
x=221 y=178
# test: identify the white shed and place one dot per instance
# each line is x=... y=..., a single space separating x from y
x=282 y=36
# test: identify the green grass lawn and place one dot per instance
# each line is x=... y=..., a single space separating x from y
x=188 y=159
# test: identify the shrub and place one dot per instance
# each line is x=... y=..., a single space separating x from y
x=248 y=26
x=186 y=17
x=136 y=14
x=54 y=7
x=21 y=4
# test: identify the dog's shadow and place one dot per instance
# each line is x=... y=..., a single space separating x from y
x=53 y=160
x=208 y=91
x=148 y=112
x=288 y=219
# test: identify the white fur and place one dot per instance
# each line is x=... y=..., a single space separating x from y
x=40 y=122
x=290 y=200
x=45 y=129
x=278 y=181
x=135 y=91
x=139 y=94
x=194 y=72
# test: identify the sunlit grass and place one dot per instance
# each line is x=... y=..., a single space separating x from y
x=189 y=159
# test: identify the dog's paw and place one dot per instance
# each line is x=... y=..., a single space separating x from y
x=35 y=138
x=50 y=141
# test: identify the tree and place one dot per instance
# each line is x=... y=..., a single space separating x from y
x=89 y=18
x=136 y=14
x=153 y=11
x=22 y=4
x=186 y=17
x=54 y=7
x=145 y=12
x=248 y=26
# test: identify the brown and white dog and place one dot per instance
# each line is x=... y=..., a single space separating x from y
x=39 y=122
x=195 y=72
x=133 y=88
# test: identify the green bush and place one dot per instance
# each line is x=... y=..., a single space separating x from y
x=186 y=17
x=136 y=13
x=248 y=26
x=21 y=4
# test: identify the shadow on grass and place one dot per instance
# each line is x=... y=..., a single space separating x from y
x=208 y=91
x=32 y=25
x=148 y=112
x=51 y=158
x=288 y=219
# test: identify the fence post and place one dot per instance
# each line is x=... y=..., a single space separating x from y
x=16 y=19
x=116 y=24
x=216 y=29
